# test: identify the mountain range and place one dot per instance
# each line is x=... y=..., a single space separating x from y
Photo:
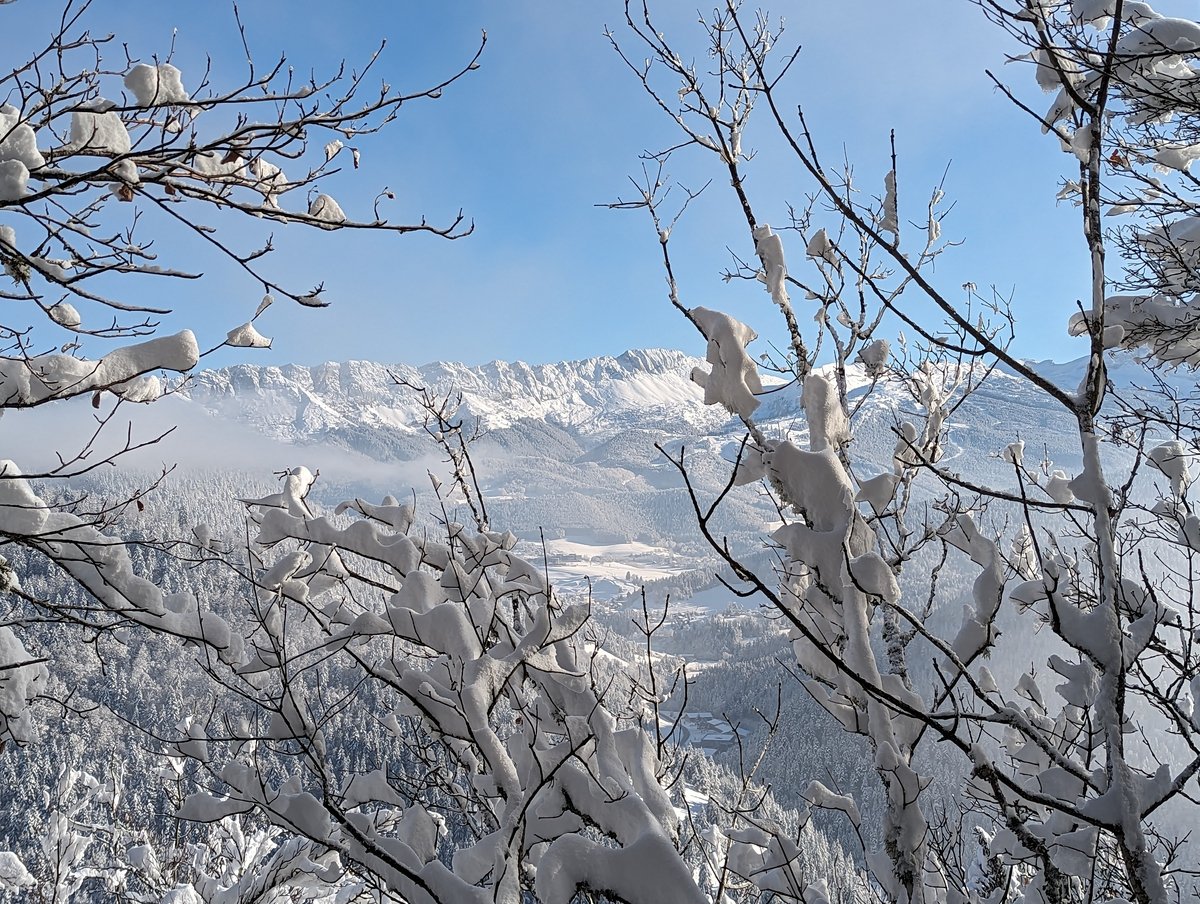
x=591 y=398
x=567 y=453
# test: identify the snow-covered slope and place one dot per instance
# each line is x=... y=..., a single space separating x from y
x=593 y=402
x=569 y=452
x=590 y=427
x=594 y=397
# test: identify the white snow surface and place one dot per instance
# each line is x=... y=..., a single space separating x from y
x=594 y=396
x=819 y=247
x=212 y=165
x=1155 y=36
x=13 y=874
x=733 y=380
x=14 y=180
x=65 y=314
x=1177 y=156
x=18 y=141
x=1158 y=324
x=769 y=247
x=327 y=210
x=161 y=84
x=246 y=336
x=32 y=381
x=269 y=180
x=890 y=221
x=100 y=132
x=18 y=686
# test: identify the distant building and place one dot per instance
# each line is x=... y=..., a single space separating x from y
x=702 y=731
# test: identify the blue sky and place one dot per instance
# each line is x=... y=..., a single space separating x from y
x=552 y=125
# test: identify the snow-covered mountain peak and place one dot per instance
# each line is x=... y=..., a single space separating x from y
x=573 y=408
x=593 y=396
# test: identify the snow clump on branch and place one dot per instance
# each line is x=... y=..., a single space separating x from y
x=161 y=84
x=96 y=129
x=14 y=180
x=26 y=382
x=733 y=380
x=327 y=210
x=18 y=141
x=769 y=248
x=246 y=336
x=20 y=679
